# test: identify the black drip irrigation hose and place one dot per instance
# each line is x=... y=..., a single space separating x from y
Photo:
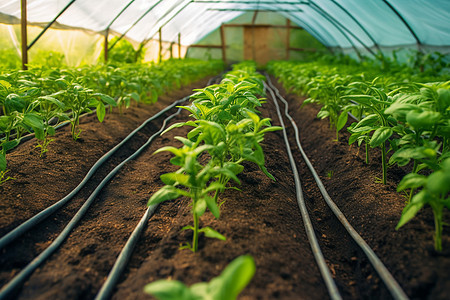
x=124 y=256
x=318 y=255
x=390 y=282
x=29 y=269
x=27 y=225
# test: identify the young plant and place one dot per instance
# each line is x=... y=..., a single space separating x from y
x=378 y=122
x=195 y=179
x=50 y=109
x=435 y=190
x=227 y=286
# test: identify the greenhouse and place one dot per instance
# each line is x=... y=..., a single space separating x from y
x=224 y=149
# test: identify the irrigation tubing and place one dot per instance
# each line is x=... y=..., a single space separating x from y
x=318 y=255
x=33 y=265
x=27 y=225
x=390 y=282
x=124 y=256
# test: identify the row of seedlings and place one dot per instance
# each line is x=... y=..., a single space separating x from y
x=407 y=120
x=41 y=99
x=227 y=130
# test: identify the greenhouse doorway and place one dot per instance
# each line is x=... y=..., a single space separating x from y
x=259 y=42
x=256 y=44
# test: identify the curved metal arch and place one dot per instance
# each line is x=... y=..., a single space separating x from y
x=315 y=33
x=50 y=24
x=170 y=19
x=359 y=24
x=317 y=10
x=135 y=23
x=310 y=29
x=119 y=14
x=419 y=43
x=328 y=16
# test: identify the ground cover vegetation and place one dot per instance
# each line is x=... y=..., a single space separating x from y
x=40 y=99
x=402 y=110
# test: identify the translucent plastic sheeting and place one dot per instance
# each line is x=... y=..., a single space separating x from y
x=336 y=23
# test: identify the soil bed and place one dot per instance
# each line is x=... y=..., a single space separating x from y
x=262 y=220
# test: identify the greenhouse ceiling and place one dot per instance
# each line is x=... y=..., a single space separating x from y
x=335 y=23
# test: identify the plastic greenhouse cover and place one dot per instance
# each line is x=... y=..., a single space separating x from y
x=335 y=23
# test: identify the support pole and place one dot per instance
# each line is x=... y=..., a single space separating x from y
x=222 y=39
x=24 y=34
x=171 y=50
x=288 y=37
x=105 y=49
x=255 y=15
x=179 y=45
x=160 y=44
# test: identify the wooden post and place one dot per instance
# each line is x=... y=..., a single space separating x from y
x=24 y=34
x=222 y=38
x=255 y=14
x=288 y=37
x=106 y=45
x=171 y=50
x=160 y=44
x=179 y=45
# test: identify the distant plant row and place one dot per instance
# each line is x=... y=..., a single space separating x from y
x=404 y=114
x=39 y=99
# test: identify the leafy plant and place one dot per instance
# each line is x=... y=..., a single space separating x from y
x=196 y=179
x=227 y=286
x=435 y=190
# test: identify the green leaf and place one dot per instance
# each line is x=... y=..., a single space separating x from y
x=51 y=130
x=214 y=186
x=33 y=120
x=2 y=162
x=212 y=206
x=135 y=96
x=438 y=183
x=270 y=129
x=167 y=192
x=6 y=84
x=369 y=120
x=107 y=99
x=172 y=149
x=423 y=119
x=200 y=207
x=411 y=181
x=101 y=111
x=10 y=145
x=172 y=178
x=211 y=233
x=380 y=136
x=233 y=279
x=36 y=123
x=342 y=120
x=169 y=290
x=417 y=202
x=53 y=100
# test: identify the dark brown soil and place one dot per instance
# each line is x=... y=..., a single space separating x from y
x=262 y=220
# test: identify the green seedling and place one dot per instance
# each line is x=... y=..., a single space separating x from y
x=195 y=182
x=434 y=191
x=227 y=286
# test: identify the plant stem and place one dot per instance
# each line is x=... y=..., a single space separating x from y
x=383 y=161
x=195 y=238
x=438 y=228
x=367 y=153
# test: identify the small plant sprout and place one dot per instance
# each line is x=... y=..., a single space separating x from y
x=195 y=182
x=227 y=286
